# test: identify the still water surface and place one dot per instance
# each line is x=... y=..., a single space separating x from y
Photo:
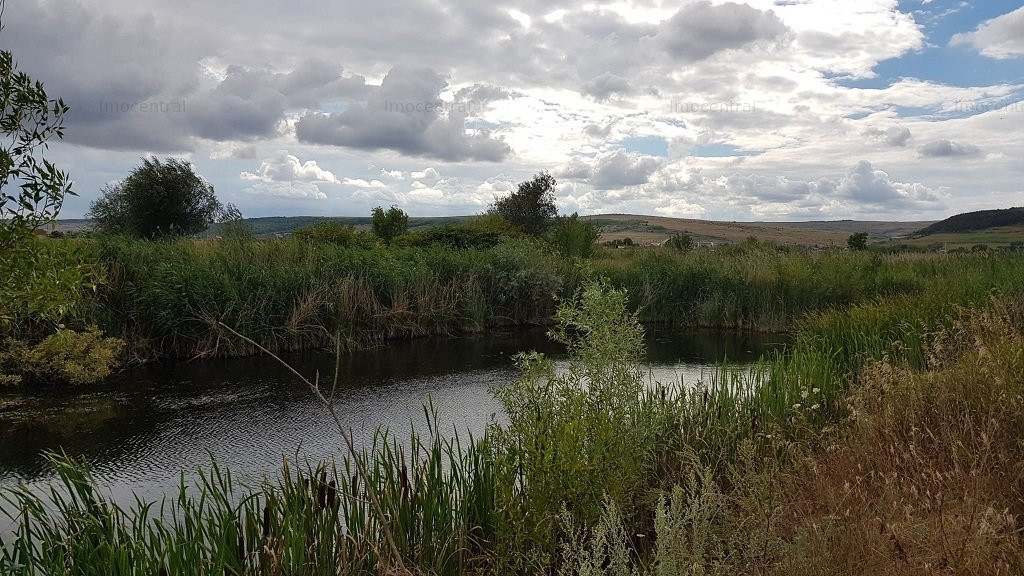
x=141 y=430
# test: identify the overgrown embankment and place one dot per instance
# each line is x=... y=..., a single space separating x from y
x=165 y=299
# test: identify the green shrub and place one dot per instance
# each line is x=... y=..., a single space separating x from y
x=681 y=242
x=335 y=233
x=66 y=357
x=390 y=224
x=573 y=237
x=458 y=237
x=581 y=436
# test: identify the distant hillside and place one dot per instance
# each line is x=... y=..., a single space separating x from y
x=271 y=225
x=975 y=221
x=641 y=229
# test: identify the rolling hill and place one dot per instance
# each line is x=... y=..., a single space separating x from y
x=641 y=229
x=977 y=221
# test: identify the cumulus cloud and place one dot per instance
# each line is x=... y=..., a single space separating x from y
x=611 y=170
x=701 y=29
x=404 y=114
x=606 y=86
x=367 y=184
x=948 y=148
x=865 y=185
x=284 y=175
x=284 y=167
x=295 y=190
x=893 y=136
x=251 y=103
x=426 y=175
x=1001 y=37
x=557 y=90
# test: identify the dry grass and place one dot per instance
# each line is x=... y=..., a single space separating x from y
x=928 y=477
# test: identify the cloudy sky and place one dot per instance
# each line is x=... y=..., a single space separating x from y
x=751 y=110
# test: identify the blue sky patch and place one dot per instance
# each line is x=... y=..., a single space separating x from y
x=647 y=145
x=721 y=151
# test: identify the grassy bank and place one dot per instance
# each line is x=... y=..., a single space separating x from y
x=165 y=299
x=886 y=441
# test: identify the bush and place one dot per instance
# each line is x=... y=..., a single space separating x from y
x=574 y=237
x=858 y=241
x=681 y=242
x=66 y=357
x=389 y=225
x=335 y=233
x=531 y=208
x=458 y=237
x=158 y=199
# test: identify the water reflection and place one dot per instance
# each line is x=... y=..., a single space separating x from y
x=139 y=431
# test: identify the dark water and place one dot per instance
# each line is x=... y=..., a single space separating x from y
x=142 y=429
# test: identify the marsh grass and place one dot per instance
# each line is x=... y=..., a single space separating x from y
x=166 y=298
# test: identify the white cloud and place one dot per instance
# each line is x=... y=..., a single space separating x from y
x=283 y=167
x=753 y=97
x=948 y=148
x=1000 y=37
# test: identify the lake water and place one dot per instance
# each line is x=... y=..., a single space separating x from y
x=144 y=428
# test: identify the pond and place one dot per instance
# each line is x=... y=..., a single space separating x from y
x=144 y=428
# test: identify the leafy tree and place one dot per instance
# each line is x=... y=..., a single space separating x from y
x=573 y=236
x=36 y=280
x=531 y=208
x=158 y=199
x=858 y=241
x=389 y=225
x=233 y=225
x=680 y=241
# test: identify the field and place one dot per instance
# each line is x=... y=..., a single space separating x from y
x=655 y=229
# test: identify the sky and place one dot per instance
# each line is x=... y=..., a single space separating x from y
x=756 y=110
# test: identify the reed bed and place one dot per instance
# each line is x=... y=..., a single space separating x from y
x=165 y=299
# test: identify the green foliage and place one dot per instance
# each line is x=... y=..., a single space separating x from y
x=681 y=242
x=626 y=242
x=292 y=294
x=531 y=208
x=36 y=282
x=857 y=241
x=577 y=435
x=491 y=222
x=457 y=237
x=232 y=225
x=573 y=237
x=335 y=233
x=389 y=225
x=66 y=357
x=158 y=199
x=28 y=120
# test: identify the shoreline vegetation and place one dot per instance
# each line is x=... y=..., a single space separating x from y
x=884 y=441
x=165 y=299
